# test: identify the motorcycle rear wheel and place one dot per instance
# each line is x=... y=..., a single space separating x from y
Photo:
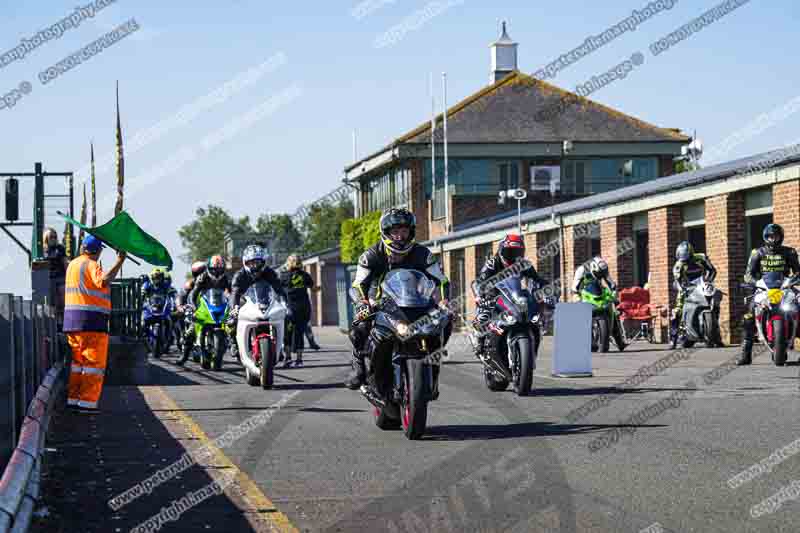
x=493 y=383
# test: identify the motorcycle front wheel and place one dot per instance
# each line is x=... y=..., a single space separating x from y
x=157 y=346
x=779 y=334
x=219 y=349
x=267 y=366
x=415 y=404
x=600 y=334
x=523 y=379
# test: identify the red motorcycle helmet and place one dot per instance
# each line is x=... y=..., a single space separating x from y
x=512 y=248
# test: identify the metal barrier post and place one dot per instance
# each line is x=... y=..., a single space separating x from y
x=21 y=403
x=30 y=356
x=8 y=431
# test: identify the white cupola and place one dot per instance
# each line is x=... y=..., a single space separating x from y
x=504 y=56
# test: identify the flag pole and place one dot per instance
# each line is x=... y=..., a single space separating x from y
x=446 y=171
x=94 y=193
x=433 y=140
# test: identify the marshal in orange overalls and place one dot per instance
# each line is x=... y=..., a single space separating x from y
x=87 y=308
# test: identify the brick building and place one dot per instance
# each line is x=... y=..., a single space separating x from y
x=721 y=210
x=519 y=132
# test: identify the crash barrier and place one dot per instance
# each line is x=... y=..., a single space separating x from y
x=572 y=355
x=30 y=345
x=20 y=484
x=31 y=375
x=345 y=274
x=126 y=307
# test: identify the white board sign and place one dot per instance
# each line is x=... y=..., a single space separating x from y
x=572 y=340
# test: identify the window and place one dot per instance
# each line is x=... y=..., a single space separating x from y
x=589 y=176
x=389 y=190
x=694 y=220
x=509 y=176
x=641 y=254
x=458 y=279
x=482 y=254
x=697 y=238
x=758 y=213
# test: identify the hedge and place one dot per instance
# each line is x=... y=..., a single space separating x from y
x=358 y=234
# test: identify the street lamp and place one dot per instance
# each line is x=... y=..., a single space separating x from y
x=519 y=195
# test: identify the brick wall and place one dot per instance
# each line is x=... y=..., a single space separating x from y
x=613 y=232
x=725 y=243
x=470 y=267
x=786 y=210
x=665 y=230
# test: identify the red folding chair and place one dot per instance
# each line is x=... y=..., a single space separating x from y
x=634 y=306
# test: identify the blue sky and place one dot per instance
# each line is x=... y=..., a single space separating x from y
x=717 y=81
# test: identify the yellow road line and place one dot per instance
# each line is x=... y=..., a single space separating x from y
x=252 y=494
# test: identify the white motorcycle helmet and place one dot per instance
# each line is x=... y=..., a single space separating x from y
x=254 y=258
x=598 y=268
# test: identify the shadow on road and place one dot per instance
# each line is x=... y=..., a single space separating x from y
x=512 y=431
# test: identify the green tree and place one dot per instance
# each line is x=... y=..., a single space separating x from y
x=322 y=225
x=282 y=237
x=685 y=165
x=358 y=234
x=205 y=236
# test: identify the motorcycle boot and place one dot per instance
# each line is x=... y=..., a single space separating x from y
x=359 y=374
x=746 y=356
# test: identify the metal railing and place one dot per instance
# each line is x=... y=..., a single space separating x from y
x=126 y=307
x=32 y=359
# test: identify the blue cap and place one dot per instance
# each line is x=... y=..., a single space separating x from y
x=92 y=244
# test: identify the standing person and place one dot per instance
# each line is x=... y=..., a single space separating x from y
x=296 y=281
x=312 y=342
x=56 y=255
x=86 y=313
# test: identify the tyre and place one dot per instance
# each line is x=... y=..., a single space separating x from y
x=493 y=382
x=157 y=346
x=524 y=354
x=384 y=419
x=779 y=334
x=415 y=403
x=710 y=332
x=687 y=343
x=218 y=349
x=602 y=336
x=252 y=379
x=267 y=366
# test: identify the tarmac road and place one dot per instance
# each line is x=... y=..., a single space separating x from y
x=497 y=462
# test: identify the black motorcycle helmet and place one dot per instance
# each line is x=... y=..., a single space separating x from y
x=684 y=251
x=773 y=237
x=394 y=218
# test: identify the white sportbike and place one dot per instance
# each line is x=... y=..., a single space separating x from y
x=259 y=333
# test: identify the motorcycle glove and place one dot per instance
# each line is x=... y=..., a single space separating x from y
x=362 y=311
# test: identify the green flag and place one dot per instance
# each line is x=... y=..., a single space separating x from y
x=122 y=233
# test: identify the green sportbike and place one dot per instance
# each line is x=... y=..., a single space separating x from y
x=606 y=322
x=210 y=330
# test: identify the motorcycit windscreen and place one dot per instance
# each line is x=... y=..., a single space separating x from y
x=259 y=333
x=209 y=320
x=157 y=317
x=606 y=322
x=700 y=319
x=776 y=312
x=511 y=345
x=401 y=388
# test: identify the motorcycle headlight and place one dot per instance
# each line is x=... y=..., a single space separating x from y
x=402 y=328
x=775 y=296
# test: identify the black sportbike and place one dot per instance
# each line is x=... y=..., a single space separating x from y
x=400 y=388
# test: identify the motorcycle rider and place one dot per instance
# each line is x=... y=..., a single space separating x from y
x=396 y=249
x=254 y=260
x=157 y=283
x=596 y=271
x=771 y=257
x=689 y=266
x=212 y=278
x=510 y=251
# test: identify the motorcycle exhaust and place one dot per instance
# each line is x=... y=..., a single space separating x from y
x=372 y=397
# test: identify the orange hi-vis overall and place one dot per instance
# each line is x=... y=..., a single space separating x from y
x=87 y=308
